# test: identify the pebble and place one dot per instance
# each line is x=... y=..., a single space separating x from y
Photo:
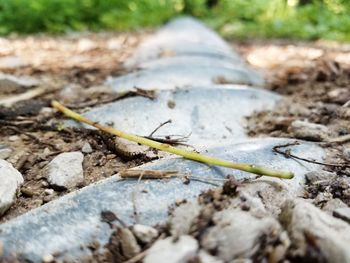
x=346 y=153
x=49 y=191
x=11 y=180
x=181 y=250
x=5 y=152
x=343 y=213
x=128 y=243
x=48 y=258
x=318 y=176
x=237 y=234
x=86 y=148
x=183 y=217
x=66 y=170
x=14 y=138
x=331 y=236
x=333 y=204
x=309 y=131
x=145 y=234
x=13 y=84
x=205 y=257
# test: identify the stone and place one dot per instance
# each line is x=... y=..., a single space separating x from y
x=128 y=243
x=205 y=257
x=181 y=250
x=145 y=234
x=14 y=138
x=333 y=205
x=183 y=217
x=304 y=222
x=66 y=170
x=5 y=152
x=172 y=77
x=211 y=117
x=346 y=153
x=86 y=148
x=12 y=84
x=237 y=234
x=309 y=131
x=48 y=259
x=319 y=176
x=343 y=213
x=11 y=180
x=49 y=191
x=76 y=217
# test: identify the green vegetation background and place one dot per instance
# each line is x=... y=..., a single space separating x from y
x=302 y=19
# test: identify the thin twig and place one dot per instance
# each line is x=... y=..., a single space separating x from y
x=160 y=126
x=147 y=174
x=251 y=168
x=288 y=154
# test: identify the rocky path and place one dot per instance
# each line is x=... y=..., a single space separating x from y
x=187 y=77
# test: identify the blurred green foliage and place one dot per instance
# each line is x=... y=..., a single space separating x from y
x=302 y=19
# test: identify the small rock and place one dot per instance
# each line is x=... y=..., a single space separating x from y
x=66 y=170
x=309 y=131
x=5 y=152
x=122 y=243
x=11 y=180
x=333 y=204
x=47 y=198
x=319 y=176
x=340 y=95
x=343 y=213
x=323 y=197
x=12 y=84
x=238 y=234
x=28 y=192
x=346 y=153
x=145 y=234
x=86 y=148
x=48 y=259
x=205 y=257
x=306 y=223
x=180 y=251
x=128 y=243
x=49 y=191
x=14 y=138
x=183 y=217
x=279 y=252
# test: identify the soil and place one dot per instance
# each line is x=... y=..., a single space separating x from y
x=313 y=77
x=71 y=68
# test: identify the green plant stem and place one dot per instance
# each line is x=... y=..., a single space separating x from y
x=251 y=168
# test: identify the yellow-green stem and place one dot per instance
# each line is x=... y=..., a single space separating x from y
x=251 y=168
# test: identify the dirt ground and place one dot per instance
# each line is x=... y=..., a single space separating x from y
x=313 y=77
